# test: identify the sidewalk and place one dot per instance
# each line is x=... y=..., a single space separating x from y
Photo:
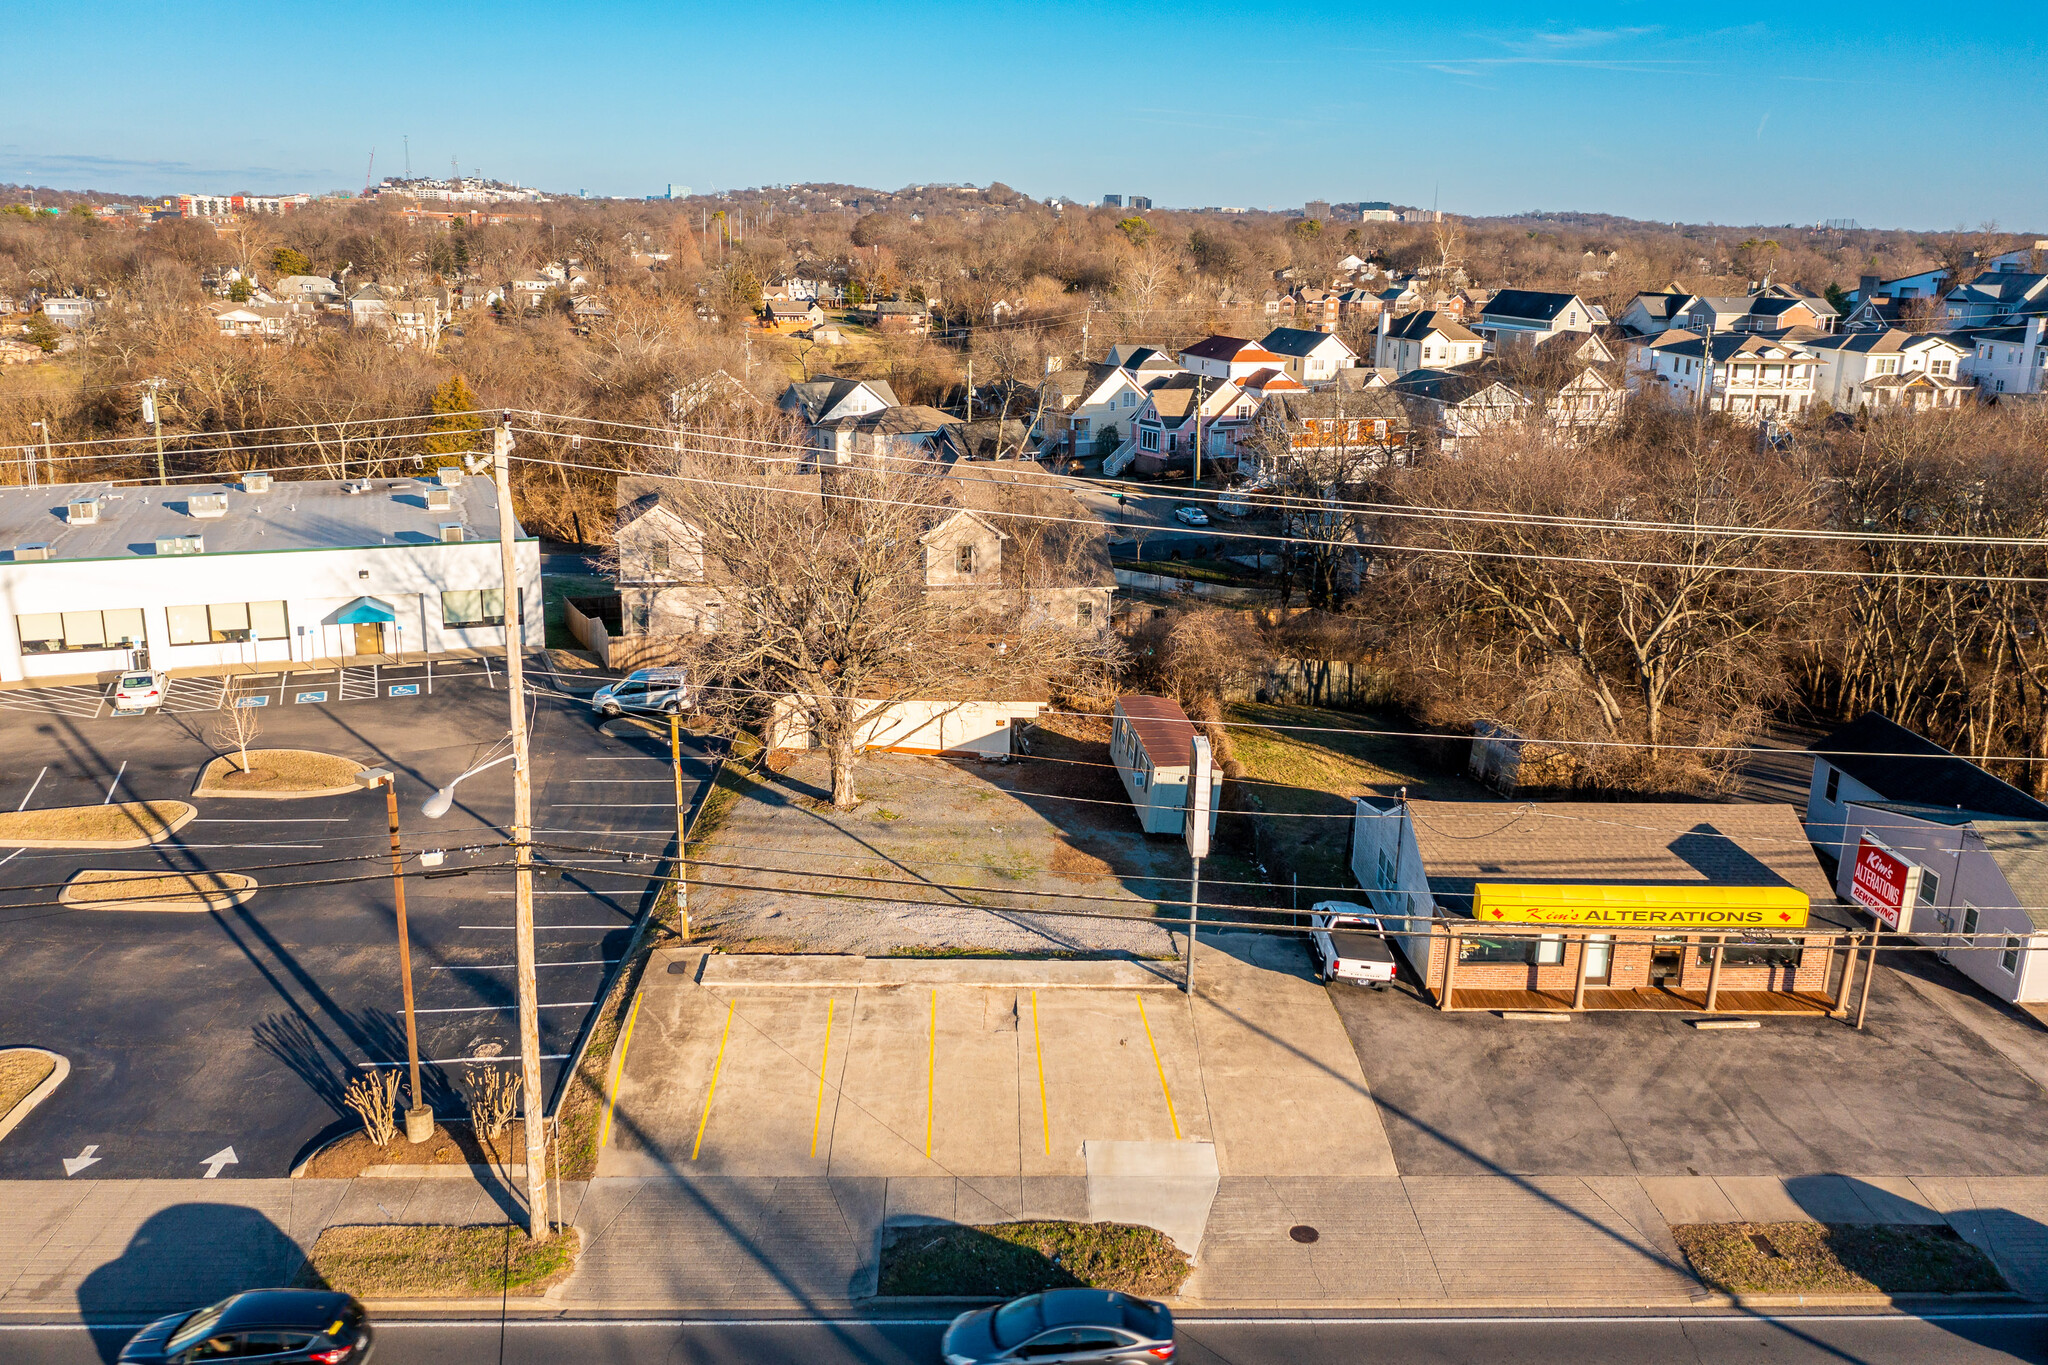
x=122 y=1249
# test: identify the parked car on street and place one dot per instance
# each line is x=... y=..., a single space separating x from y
x=271 y=1325
x=139 y=691
x=666 y=690
x=1350 y=944
x=1064 y=1325
x=1192 y=516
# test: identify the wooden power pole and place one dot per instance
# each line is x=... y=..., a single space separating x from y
x=537 y=1225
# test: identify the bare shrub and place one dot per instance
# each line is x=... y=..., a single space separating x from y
x=374 y=1097
x=492 y=1093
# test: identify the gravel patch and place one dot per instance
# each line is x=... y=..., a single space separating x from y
x=947 y=846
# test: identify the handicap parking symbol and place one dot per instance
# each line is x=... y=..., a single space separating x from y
x=252 y=701
x=405 y=689
x=304 y=697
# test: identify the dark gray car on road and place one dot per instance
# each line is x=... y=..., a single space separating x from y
x=1063 y=1325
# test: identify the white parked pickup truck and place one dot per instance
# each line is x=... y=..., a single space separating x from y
x=1350 y=944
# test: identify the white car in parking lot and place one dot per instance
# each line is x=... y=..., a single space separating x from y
x=139 y=691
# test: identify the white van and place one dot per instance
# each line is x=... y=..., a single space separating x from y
x=666 y=690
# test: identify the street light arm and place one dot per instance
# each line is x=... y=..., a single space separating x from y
x=439 y=803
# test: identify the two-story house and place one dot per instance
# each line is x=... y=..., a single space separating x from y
x=1222 y=357
x=1309 y=357
x=1519 y=316
x=1089 y=411
x=829 y=398
x=909 y=430
x=1176 y=410
x=1995 y=299
x=1746 y=374
x=2006 y=360
x=1427 y=340
x=1889 y=369
x=1451 y=408
x=1054 y=568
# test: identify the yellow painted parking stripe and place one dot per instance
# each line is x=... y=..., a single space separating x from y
x=1044 y=1109
x=1171 y=1116
x=712 y=1093
x=619 y=1071
x=931 y=1074
x=823 y=1060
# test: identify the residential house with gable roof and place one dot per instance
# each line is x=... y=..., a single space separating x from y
x=1888 y=370
x=1179 y=410
x=1089 y=411
x=1309 y=357
x=1515 y=316
x=1222 y=357
x=2006 y=360
x=1449 y=408
x=829 y=398
x=1998 y=298
x=1748 y=375
x=1427 y=340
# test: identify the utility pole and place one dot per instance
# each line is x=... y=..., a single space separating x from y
x=49 y=459
x=675 y=758
x=156 y=420
x=970 y=391
x=537 y=1225
x=1198 y=433
x=419 y=1119
x=1201 y=794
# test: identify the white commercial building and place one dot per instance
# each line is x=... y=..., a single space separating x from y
x=96 y=578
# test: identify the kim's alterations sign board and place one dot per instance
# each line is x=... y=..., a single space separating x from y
x=1640 y=907
x=1880 y=881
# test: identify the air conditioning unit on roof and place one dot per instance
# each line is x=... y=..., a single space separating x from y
x=451 y=532
x=84 y=512
x=25 y=553
x=207 y=506
x=355 y=486
x=255 y=481
x=439 y=499
x=449 y=475
x=181 y=545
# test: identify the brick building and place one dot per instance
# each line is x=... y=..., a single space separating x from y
x=1698 y=908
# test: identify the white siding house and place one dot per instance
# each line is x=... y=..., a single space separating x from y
x=1152 y=742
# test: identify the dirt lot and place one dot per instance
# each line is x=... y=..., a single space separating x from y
x=962 y=850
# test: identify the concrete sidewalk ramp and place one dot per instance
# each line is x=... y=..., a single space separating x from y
x=1163 y=1185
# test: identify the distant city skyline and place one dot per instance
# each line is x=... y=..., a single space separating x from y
x=1830 y=112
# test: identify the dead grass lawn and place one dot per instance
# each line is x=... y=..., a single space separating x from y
x=21 y=1070
x=412 y=1261
x=124 y=822
x=113 y=889
x=278 y=771
x=1835 y=1258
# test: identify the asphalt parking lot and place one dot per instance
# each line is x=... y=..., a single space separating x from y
x=1641 y=1093
x=189 y=1034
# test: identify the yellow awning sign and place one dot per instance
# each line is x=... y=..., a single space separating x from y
x=1641 y=907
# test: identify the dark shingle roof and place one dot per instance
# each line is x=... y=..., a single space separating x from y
x=1533 y=305
x=1903 y=766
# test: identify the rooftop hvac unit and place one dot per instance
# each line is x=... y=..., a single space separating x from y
x=82 y=513
x=181 y=545
x=449 y=475
x=208 y=506
x=24 y=553
x=439 y=499
x=451 y=532
x=354 y=486
x=255 y=481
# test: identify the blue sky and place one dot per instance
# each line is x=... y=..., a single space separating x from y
x=1894 y=116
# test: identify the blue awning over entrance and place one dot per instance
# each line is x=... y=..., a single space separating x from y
x=365 y=611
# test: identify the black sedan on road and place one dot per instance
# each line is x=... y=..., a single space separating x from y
x=281 y=1325
x=1063 y=1325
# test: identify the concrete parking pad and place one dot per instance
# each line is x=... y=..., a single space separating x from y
x=973 y=1070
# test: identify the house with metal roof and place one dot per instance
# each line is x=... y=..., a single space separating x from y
x=1151 y=741
x=99 y=578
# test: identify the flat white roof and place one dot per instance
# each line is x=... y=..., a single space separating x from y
x=299 y=515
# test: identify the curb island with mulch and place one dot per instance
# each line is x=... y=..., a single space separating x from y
x=455 y=1144
x=27 y=1076
x=1001 y=1260
x=425 y=1261
x=1836 y=1258
x=280 y=774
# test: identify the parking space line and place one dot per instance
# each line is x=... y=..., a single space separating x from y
x=1044 y=1109
x=508 y=966
x=931 y=1074
x=716 y=1067
x=824 y=1060
x=115 y=783
x=508 y=928
x=619 y=1071
x=500 y=1009
x=32 y=787
x=1173 y=1117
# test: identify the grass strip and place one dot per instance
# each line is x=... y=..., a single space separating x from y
x=419 y=1261
x=999 y=1260
x=1836 y=1258
x=113 y=889
x=116 y=822
x=22 y=1069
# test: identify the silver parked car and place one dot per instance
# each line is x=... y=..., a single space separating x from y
x=1063 y=1325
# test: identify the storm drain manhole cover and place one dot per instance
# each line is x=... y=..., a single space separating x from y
x=1302 y=1232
